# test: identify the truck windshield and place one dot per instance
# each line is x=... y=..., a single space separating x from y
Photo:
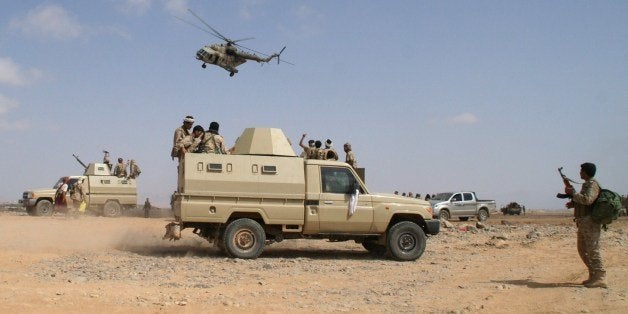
x=442 y=196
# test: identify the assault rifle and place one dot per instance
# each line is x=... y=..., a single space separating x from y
x=567 y=183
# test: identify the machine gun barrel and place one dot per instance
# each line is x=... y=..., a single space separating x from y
x=81 y=162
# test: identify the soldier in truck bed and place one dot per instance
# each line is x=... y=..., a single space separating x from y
x=120 y=169
x=191 y=143
x=180 y=133
x=214 y=142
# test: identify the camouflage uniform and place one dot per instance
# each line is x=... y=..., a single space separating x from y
x=214 y=144
x=588 y=230
x=179 y=134
x=189 y=142
x=351 y=159
x=120 y=170
x=78 y=194
x=134 y=169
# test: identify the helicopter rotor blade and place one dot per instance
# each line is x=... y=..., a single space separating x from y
x=243 y=39
x=217 y=33
x=198 y=27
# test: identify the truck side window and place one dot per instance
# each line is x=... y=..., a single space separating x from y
x=456 y=198
x=337 y=180
x=467 y=196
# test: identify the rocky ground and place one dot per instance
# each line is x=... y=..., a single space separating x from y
x=96 y=264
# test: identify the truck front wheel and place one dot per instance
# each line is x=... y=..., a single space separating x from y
x=406 y=241
x=43 y=208
x=444 y=214
x=244 y=238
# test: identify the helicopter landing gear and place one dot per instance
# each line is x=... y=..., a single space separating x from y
x=231 y=74
x=204 y=65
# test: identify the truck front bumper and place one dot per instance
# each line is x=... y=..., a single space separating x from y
x=432 y=226
x=28 y=202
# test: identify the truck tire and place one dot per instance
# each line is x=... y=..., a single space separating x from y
x=482 y=214
x=111 y=209
x=43 y=208
x=244 y=238
x=406 y=241
x=444 y=214
x=375 y=248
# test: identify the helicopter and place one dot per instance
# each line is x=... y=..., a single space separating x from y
x=227 y=55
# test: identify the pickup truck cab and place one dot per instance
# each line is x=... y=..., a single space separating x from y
x=264 y=193
x=462 y=205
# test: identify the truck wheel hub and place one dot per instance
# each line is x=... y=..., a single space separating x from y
x=407 y=242
x=244 y=239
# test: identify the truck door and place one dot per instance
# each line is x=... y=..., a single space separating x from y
x=469 y=204
x=337 y=187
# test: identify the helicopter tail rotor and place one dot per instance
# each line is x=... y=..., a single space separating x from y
x=279 y=54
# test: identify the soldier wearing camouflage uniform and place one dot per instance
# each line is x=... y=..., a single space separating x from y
x=588 y=230
x=78 y=196
x=180 y=133
x=190 y=143
x=350 y=159
x=214 y=143
x=309 y=152
x=120 y=169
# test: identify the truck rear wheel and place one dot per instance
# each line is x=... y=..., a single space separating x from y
x=111 y=209
x=406 y=241
x=43 y=208
x=244 y=238
x=482 y=214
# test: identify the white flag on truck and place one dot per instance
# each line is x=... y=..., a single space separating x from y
x=353 y=202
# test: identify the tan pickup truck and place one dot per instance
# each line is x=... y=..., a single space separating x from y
x=264 y=193
x=106 y=194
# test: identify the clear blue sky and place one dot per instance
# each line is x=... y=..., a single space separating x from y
x=489 y=96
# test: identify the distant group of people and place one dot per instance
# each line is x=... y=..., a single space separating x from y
x=198 y=140
x=416 y=195
x=120 y=169
x=315 y=150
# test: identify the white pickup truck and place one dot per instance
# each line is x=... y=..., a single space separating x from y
x=462 y=205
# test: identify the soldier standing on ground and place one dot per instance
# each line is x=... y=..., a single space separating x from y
x=147 y=208
x=180 y=133
x=214 y=142
x=77 y=196
x=62 y=190
x=120 y=169
x=350 y=159
x=588 y=230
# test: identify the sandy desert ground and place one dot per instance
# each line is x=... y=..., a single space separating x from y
x=96 y=264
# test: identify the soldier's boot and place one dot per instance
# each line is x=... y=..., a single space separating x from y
x=590 y=279
x=599 y=280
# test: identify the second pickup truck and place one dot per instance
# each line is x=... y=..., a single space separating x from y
x=462 y=205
